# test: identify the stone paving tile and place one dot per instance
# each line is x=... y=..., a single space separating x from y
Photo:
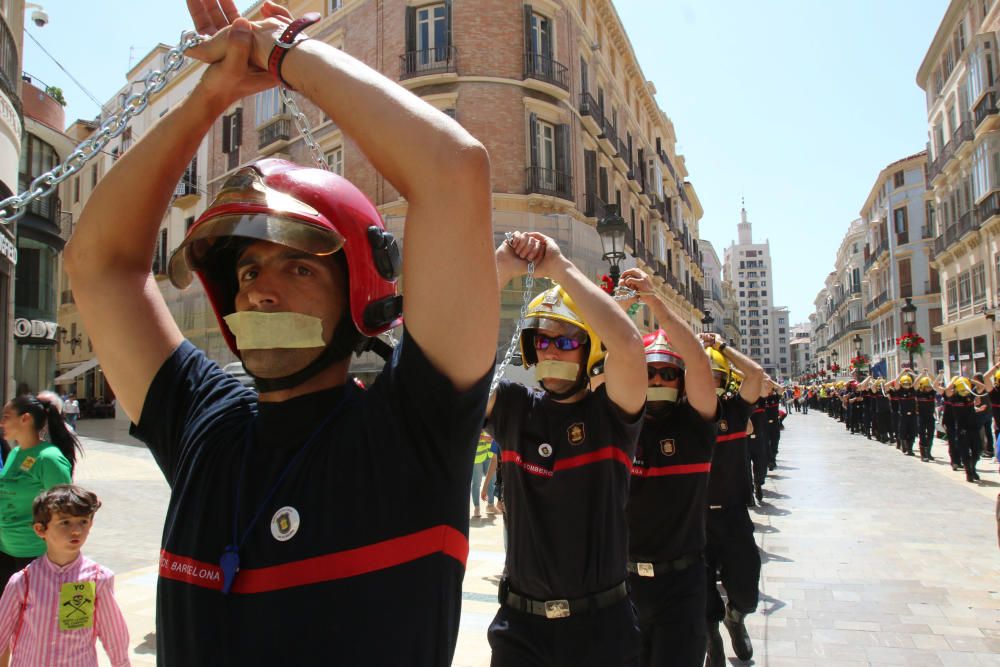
x=858 y=570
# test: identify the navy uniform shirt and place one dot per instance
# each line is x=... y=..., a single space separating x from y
x=925 y=404
x=365 y=538
x=729 y=482
x=963 y=411
x=566 y=469
x=995 y=402
x=667 y=499
x=906 y=399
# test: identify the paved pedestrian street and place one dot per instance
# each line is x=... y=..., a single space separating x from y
x=870 y=557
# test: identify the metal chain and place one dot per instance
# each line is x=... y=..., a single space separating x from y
x=302 y=123
x=15 y=206
x=529 y=283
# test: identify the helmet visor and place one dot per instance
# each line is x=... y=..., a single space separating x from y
x=195 y=252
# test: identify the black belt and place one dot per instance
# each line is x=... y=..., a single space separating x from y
x=564 y=608
x=657 y=569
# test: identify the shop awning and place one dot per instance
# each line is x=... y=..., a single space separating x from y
x=77 y=370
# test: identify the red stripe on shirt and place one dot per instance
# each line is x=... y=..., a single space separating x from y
x=685 y=469
x=330 y=567
x=603 y=454
x=731 y=436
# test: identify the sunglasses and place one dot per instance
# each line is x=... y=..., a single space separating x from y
x=564 y=343
x=668 y=373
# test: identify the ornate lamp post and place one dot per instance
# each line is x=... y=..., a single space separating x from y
x=612 y=230
x=834 y=355
x=707 y=322
x=857 y=354
x=909 y=319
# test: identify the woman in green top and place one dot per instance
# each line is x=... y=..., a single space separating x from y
x=33 y=466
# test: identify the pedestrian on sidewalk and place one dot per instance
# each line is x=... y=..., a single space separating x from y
x=71 y=409
x=480 y=465
x=731 y=554
x=34 y=465
x=301 y=516
x=55 y=609
x=668 y=492
x=567 y=455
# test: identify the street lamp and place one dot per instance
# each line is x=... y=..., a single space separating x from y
x=707 y=321
x=857 y=353
x=909 y=319
x=834 y=355
x=612 y=230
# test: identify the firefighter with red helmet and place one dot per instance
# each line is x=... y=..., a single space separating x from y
x=566 y=456
x=667 y=496
x=283 y=541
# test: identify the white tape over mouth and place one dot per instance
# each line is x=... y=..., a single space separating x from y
x=557 y=370
x=255 y=330
x=661 y=394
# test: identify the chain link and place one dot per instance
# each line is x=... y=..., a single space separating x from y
x=15 y=206
x=529 y=283
x=302 y=123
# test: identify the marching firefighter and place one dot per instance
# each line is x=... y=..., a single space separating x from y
x=905 y=402
x=925 y=415
x=667 y=495
x=566 y=455
x=731 y=553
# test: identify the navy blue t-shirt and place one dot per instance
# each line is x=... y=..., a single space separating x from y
x=566 y=470
x=667 y=498
x=729 y=482
x=359 y=555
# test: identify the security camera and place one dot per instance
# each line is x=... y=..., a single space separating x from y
x=40 y=18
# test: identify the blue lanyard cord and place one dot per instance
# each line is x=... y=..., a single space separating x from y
x=237 y=540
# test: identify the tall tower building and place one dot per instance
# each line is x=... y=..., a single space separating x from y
x=764 y=330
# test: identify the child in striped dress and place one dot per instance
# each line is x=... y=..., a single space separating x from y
x=53 y=611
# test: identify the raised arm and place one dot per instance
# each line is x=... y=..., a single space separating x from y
x=989 y=375
x=698 y=384
x=625 y=364
x=754 y=383
x=110 y=254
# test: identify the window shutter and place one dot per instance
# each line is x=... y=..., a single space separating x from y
x=905 y=286
x=533 y=132
x=603 y=183
x=447 y=21
x=226 y=133
x=529 y=44
x=238 y=130
x=584 y=84
x=590 y=178
x=562 y=159
x=411 y=29
x=641 y=169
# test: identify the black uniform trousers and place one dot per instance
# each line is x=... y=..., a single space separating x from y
x=925 y=427
x=970 y=446
x=954 y=447
x=759 y=451
x=607 y=637
x=773 y=437
x=671 y=610
x=907 y=431
x=731 y=556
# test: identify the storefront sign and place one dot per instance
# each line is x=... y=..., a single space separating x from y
x=35 y=329
x=8 y=249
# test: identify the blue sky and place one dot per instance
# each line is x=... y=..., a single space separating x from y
x=795 y=105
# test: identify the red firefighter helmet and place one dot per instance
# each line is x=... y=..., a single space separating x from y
x=305 y=208
x=658 y=349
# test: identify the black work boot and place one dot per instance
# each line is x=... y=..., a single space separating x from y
x=715 y=652
x=738 y=633
x=759 y=493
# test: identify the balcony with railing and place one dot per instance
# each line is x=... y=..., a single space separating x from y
x=986 y=107
x=872 y=254
x=594 y=206
x=545 y=69
x=10 y=66
x=591 y=114
x=877 y=302
x=965 y=132
x=278 y=129
x=989 y=207
x=549 y=182
x=967 y=222
x=428 y=62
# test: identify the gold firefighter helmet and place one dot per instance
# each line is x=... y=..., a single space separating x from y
x=720 y=366
x=962 y=386
x=906 y=381
x=555 y=310
x=924 y=383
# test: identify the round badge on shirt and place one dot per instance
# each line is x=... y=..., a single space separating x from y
x=285 y=523
x=545 y=449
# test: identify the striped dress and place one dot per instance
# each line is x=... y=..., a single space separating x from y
x=58 y=620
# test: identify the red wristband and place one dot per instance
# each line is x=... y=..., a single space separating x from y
x=290 y=37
